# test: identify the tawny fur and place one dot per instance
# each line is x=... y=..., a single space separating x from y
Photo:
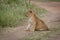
x=34 y=23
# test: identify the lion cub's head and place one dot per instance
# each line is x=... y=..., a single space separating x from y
x=29 y=13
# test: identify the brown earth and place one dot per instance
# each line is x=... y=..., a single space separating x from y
x=52 y=18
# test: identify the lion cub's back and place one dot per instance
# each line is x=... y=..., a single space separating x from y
x=41 y=25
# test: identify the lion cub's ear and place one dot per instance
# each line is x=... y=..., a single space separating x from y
x=30 y=11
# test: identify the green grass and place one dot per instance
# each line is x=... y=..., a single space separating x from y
x=12 y=12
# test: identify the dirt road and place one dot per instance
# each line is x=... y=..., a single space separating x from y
x=52 y=18
x=53 y=9
x=17 y=33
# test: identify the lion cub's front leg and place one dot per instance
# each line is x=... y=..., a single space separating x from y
x=31 y=25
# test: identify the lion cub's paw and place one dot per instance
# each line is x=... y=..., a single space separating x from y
x=27 y=30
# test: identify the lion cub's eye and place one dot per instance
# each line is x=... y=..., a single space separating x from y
x=30 y=11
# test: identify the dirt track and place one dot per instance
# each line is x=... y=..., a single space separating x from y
x=52 y=18
x=53 y=9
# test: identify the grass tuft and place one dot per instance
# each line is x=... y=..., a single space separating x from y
x=12 y=12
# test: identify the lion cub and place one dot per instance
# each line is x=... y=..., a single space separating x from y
x=34 y=23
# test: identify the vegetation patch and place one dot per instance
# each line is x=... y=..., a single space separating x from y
x=12 y=12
